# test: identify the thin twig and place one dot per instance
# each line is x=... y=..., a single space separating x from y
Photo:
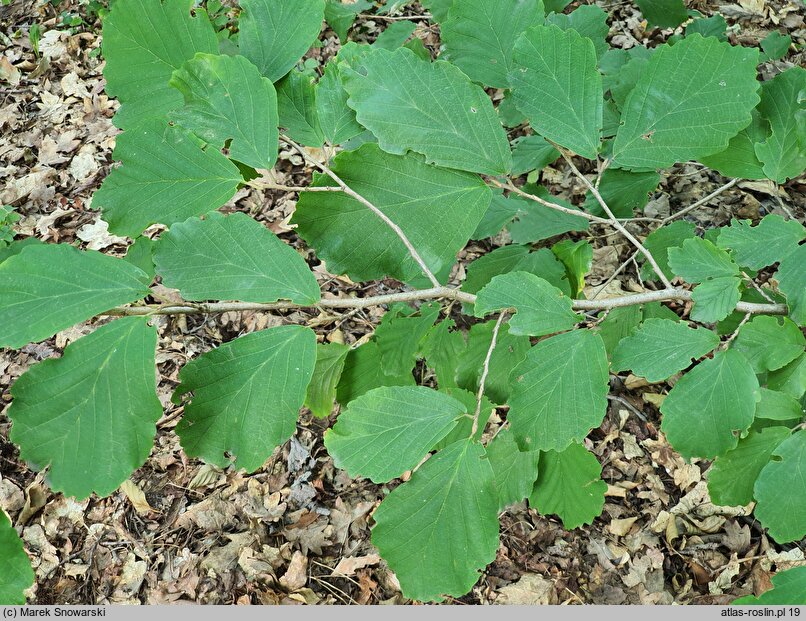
x=485 y=369
x=755 y=286
x=572 y=212
x=352 y=193
x=396 y=18
x=615 y=223
x=702 y=201
x=262 y=184
x=735 y=333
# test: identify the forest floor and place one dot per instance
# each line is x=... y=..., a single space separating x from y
x=297 y=531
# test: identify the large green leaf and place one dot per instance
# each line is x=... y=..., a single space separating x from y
x=430 y=108
x=167 y=176
x=540 y=307
x=588 y=20
x=90 y=414
x=556 y=85
x=388 y=430
x=437 y=209
x=144 y=41
x=759 y=246
x=663 y=13
x=659 y=348
x=770 y=343
x=515 y=471
x=363 y=371
x=711 y=405
x=780 y=490
x=789 y=588
x=15 y=567
x=440 y=528
x=274 y=34
x=559 y=391
x=296 y=105
x=783 y=104
x=715 y=299
x=698 y=260
x=246 y=396
x=479 y=36
x=226 y=99
x=569 y=485
x=50 y=287
x=776 y=405
x=690 y=101
x=321 y=393
x=731 y=478
x=791 y=277
x=232 y=257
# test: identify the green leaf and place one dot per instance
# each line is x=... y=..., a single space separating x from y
x=623 y=191
x=437 y=209
x=791 y=277
x=714 y=26
x=501 y=211
x=508 y=352
x=622 y=79
x=540 y=307
x=789 y=588
x=770 y=343
x=659 y=348
x=715 y=299
x=395 y=34
x=791 y=379
x=559 y=391
x=465 y=425
x=731 y=478
x=144 y=41
x=441 y=348
x=15 y=566
x=232 y=257
x=776 y=405
x=363 y=371
x=513 y=258
x=515 y=471
x=569 y=485
x=619 y=324
x=659 y=241
x=690 y=101
x=226 y=99
x=532 y=153
x=90 y=414
x=297 y=107
x=780 y=490
x=41 y=292
x=739 y=159
x=555 y=6
x=555 y=83
x=577 y=258
x=341 y=15
x=759 y=246
x=430 y=108
x=710 y=406
x=140 y=254
x=439 y=8
x=388 y=430
x=167 y=176
x=399 y=339
x=246 y=396
x=589 y=21
x=438 y=530
x=663 y=13
x=783 y=104
x=336 y=119
x=274 y=34
x=535 y=222
x=775 y=46
x=698 y=260
x=321 y=393
x=479 y=36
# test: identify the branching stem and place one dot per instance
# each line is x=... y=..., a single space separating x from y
x=485 y=370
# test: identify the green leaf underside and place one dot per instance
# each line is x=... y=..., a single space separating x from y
x=775 y=405
x=479 y=36
x=663 y=13
x=556 y=85
x=246 y=396
x=770 y=343
x=715 y=299
x=515 y=471
x=15 y=567
x=784 y=106
x=232 y=257
x=789 y=588
x=780 y=490
x=771 y=241
x=791 y=277
x=274 y=34
x=540 y=307
x=690 y=101
x=144 y=41
x=90 y=414
x=363 y=371
x=297 y=108
x=438 y=530
x=389 y=430
x=437 y=209
x=698 y=260
x=659 y=241
x=226 y=98
x=710 y=406
x=570 y=486
x=559 y=391
x=731 y=478
x=430 y=108
x=41 y=293
x=321 y=392
x=659 y=348
x=166 y=176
